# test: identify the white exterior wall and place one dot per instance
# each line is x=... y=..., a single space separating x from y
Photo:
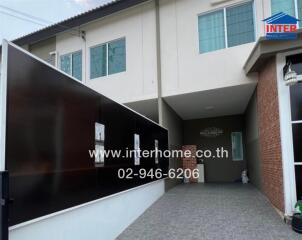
x=184 y=69
x=137 y=25
x=102 y=219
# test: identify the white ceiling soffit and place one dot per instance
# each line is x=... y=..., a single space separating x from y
x=212 y=103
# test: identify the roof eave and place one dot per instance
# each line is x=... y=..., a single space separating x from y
x=76 y=21
x=265 y=49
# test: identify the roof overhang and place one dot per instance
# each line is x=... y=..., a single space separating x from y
x=265 y=49
x=76 y=21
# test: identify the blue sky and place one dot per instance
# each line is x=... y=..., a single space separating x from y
x=49 y=10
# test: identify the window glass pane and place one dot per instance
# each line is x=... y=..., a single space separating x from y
x=296 y=101
x=98 y=61
x=296 y=61
x=211 y=32
x=65 y=63
x=297 y=141
x=117 y=56
x=286 y=6
x=299 y=2
x=240 y=24
x=298 y=171
x=52 y=59
x=77 y=65
x=237 y=149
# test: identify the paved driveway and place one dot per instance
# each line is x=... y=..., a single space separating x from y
x=210 y=212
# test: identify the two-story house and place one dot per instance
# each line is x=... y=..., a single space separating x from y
x=195 y=66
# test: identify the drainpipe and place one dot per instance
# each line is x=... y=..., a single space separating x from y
x=84 y=51
x=158 y=55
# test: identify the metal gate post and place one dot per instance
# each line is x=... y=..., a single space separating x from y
x=4 y=200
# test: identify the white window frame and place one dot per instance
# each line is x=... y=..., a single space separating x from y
x=55 y=54
x=296 y=9
x=107 y=59
x=224 y=9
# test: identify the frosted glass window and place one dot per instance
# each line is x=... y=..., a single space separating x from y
x=77 y=65
x=286 y=6
x=240 y=24
x=211 y=31
x=237 y=146
x=72 y=64
x=228 y=27
x=65 y=63
x=299 y=2
x=98 y=61
x=117 y=56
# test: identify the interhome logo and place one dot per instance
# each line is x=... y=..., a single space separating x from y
x=281 y=26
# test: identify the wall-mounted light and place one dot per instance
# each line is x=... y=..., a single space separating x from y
x=290 y=76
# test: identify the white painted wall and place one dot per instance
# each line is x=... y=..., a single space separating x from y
x=137 y=25
x=103 y=219
x=184 y=70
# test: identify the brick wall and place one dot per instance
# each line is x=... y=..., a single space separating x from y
x=269 y=135
x=190 y=162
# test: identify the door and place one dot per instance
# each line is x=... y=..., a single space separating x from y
x=296 y=116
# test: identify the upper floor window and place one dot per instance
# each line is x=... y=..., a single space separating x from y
x=291 y=7
x=227 y=27
x=211 y=32
x=108 y=58
x=72 y=64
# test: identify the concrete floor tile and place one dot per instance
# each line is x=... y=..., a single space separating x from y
x=210 y=212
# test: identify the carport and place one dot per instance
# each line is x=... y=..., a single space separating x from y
x=210 y=212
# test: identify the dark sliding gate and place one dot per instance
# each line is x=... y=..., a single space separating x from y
x=52 y=122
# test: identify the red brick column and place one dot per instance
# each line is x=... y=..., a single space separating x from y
x=190 y=162
x=269 y=135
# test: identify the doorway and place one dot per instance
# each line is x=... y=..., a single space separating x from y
x=221 y=146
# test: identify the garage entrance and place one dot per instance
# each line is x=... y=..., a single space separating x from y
x=220 y=147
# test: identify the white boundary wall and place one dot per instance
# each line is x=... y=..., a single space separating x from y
x=103 y=219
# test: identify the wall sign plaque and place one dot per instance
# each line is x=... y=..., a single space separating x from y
x=136 y=149
x=99 y=144
x=211 y=132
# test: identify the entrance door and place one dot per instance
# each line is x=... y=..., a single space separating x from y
x=296 y=114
